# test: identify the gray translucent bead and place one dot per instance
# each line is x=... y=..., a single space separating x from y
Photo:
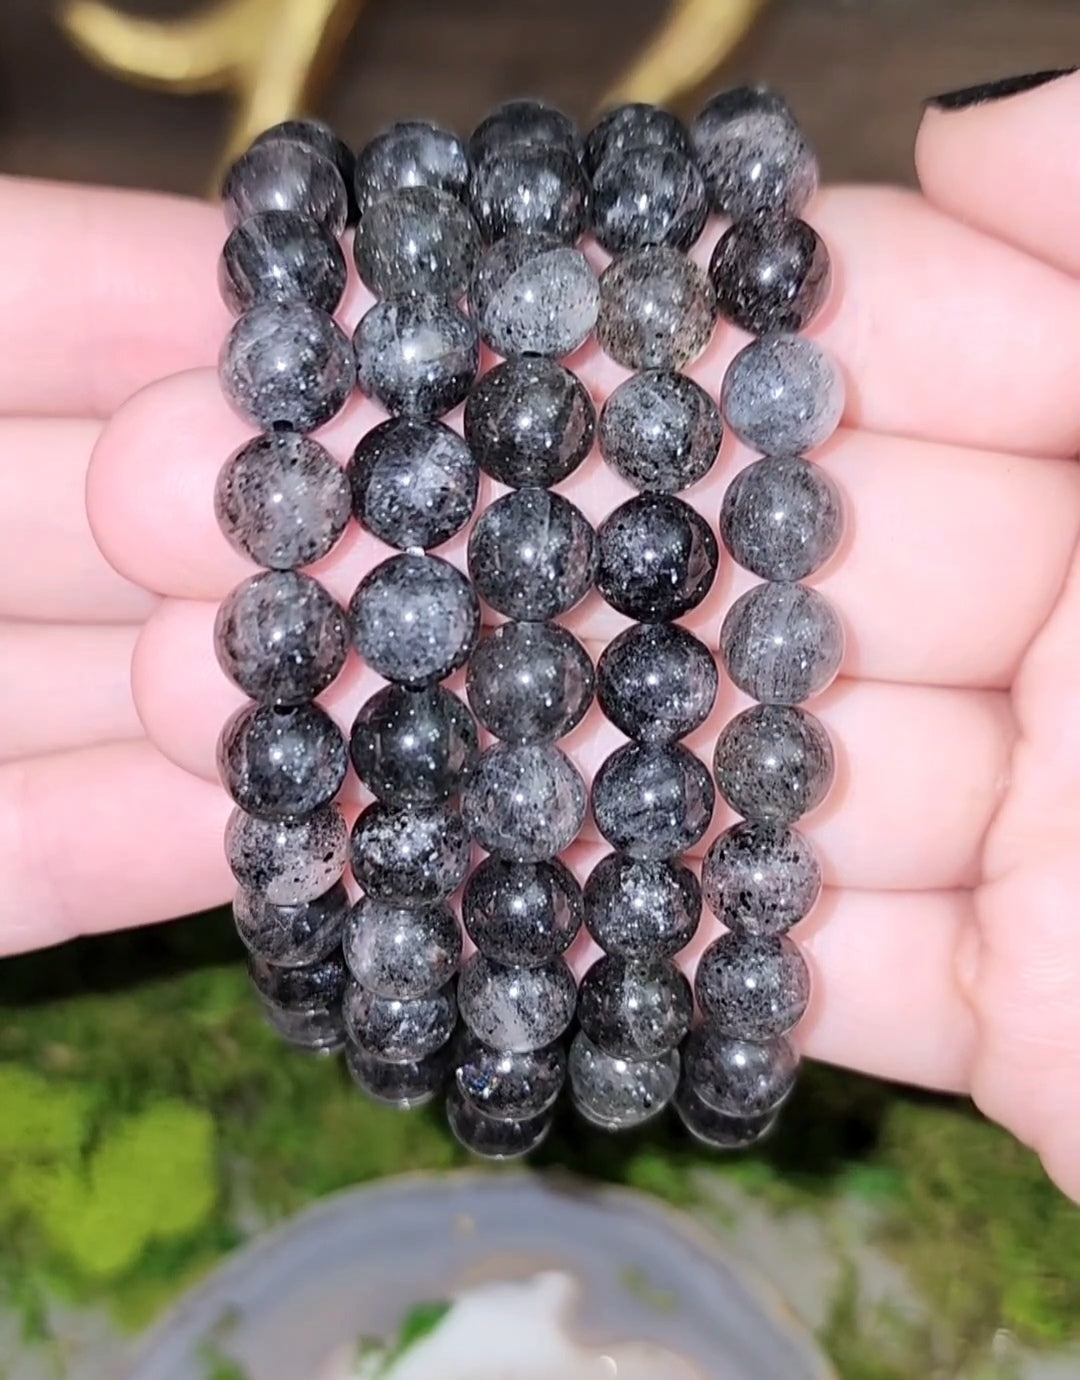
x=532 y=555
x=508 y=1085
x=635 y=1010
x=660 y=430
x=414 y=619
x=522 y=913
x=656 y=682
x=288 y=861
x=530 y=682
x=782 y=395
x=287 y=366
x=529 y=421
x=657 y=558
x=416 y=240
x=652 y=802
x=782 y=643
x=529 y=188
x=715 y=1129
x=760 y=878
x=416 y=355
x=492 y=1139
x=751 y=988
x=657 y=309
x=280 y=637
x=399 y=1032
x=316 y=135
x=532 y=294
x=281 y=256
x=313 y=987
x=648 y=195
x=524 y=122
x=282 y=500
x=617 y=1094
x=771 y=277
x=279 y=761
x=524 y=801
x=412 y=747
x=516 y=1009
x=415 y=856
x=753 y=155
x=740 y=1077
x=774 y=763
x=414 y=482
x=404 y=1086
x=782 y=518
x=634 y=125
x=410 y=154
x=291 y=936
x=400 y=951
x=282 y=175
x=319 y=1032
x=641 y=910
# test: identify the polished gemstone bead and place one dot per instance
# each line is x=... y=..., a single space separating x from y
x=281 y=175
x=773 y=762
x=410 y=154
x=516 y=1009
x=648 y=195
x=524 y=122
x=641 y=910
x=657 y=558
x=287 y=366
x=771 y=277
x=291 y=936
x=752 y=988
x=782 y=395
x=760 y=878
x=278 y=761
x=522 y=913
x=635 y=1010
x=288 y=861
x=416 y=240
x=492 y=1139
x=414 y=619
x=715 y=1129
x=316 y=135
x=634 y=125
x=410 y=857
x=529 y=188
x=412 y=747
x=532 y=555
x=280 y=637
x=656 y=682
x=657 y=309
x=404 y=1086
x=781 y=643
x=530 y=682
x=400 y=951
x=782 y=518
x=529 y=421
x=320 y=1032
x=281 y=256
x=282 y=500
x=616 y=1094
x=525 y=801
x=312 y=987
x=753 y=155
x=508 y=1085
x=399 y=1032
x=652 y=802
x=416 y=355
x=532 y=294
x=738 y=1077
x=414 y=482
x=660 y=430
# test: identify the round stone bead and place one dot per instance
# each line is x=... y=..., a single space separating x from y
x=782 y=643
x=532 y=294
x=657 y=558
x=282 y=175
x=532 y=555
x=656 y=682
x=530 y=682
x=771 y=277
x=773 y=763
x=399 y=1032
x=318 y=1032
x=641 y=910
x=715 y=1129
x=509 y=1085
x=529 y=188
x=760 y=878
x=313 y=987
x=661 y=431
x=634 y=125
x=416 y=355
x=399 y=951
x=522 y=913
x=287 y=367
x=648 y=195
x=753 y=989
x=782 y=395
x=416 y=240
x=652 y=802
x=755 y=159
x=529 y=422
x=282 y=500
x=635 y=1010
x=492 y=1139
x=524 y=122
x=516 y=1009
x=280 y=637
x=318 y=136
x=279 y=761
x=617 y=1094
x=525 y=801
x=739 y=1077
x=291 y=936
x=287 y=861
x=410 y=857
x=410 y=154
x=280 y=257
x=782 y=518
x=414 y=482
x=657 y=309
x=412 y=747
x=414 y=619
x=404 y=1086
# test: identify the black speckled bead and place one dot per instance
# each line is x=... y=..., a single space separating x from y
x=414 y=482
x=409 y=857
x=773 y=762
x=751 y=988
x=400 y=951
x=508 y=1085
x=772 y=277
x=316 y=135
x=782 y=395
x=634 y=125
x=287 y=861
x=416 y=240
x=399 y=1032
x=738 y=1077
x=412 y=153
x=782 y=643
x=652 y=802
x=656 y=682
x=635 y=1010
x=657 y=558
x=530 y=682
x=661 y=431
x=412 y=747
x=648 y=195
x=524 y=801
x=279 y=761
x=282 y=175
x=617 y=1094
x=313 y=987
x=291 y=936
x=416 y=355
x=782 y=518
x=641 y=910
x=404 y=1086
x=516 y=1009
x=522 y=913
x=529 y=188
x=715 y=1129
x=489 y=1137
x=524 y=122
x=279 y=257
x=529 y=422
x=532 y=555
x=532 y=294
x=316 y=1032
x=753 y=155
x=657 y=309
x=760 y=878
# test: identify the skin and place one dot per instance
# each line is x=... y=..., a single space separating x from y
x=945 y=950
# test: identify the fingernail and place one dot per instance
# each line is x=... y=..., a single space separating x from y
x=989 y=91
